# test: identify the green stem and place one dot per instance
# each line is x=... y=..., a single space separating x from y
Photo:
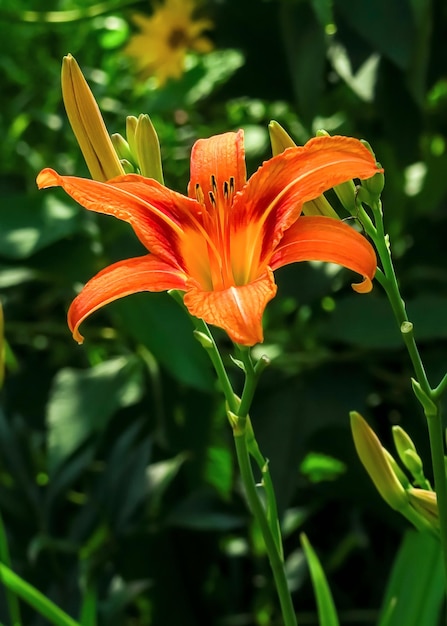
x=35 y=598
x=11 y=598
x=252 y=374
x=258 y=511
x=205 y=337
x=389 y=282
x=428 y=397
x=272 y=509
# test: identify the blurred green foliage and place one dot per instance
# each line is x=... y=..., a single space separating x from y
x=117 y=479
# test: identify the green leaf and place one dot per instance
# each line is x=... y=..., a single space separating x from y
x=305 y=44
x=203 y=511
x=157 y=321
x=82 y=401
x=327 y=614
x=159 y=477
x=89 y=607
x=387 y=26
x=30 y=223
x=319 y=467
x=415 y=590
x=367 y=321
x=219 y=470
x=34 y=598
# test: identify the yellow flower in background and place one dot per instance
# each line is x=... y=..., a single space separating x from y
x=165 y=37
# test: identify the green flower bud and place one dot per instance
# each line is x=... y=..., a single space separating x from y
x=402 y=441
x=346 y=193
x=319 y=206
x=403 y=478
x=131 y=127
x=148 y=149
x=413 y=463
x=121 y=147
x=374 y=185
x=279 y=138
x=376 y=463
x=128 y=167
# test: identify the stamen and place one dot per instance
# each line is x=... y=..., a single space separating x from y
x=226 y=187
x=213 y=183
x=212 y=198
x=199 y=194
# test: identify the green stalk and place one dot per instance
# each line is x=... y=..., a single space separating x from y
x=428 y=397
x=245 y=443
x=35 y=598
x=204 y=336
x=252 y=375
x=258 y=511
x=11 y=598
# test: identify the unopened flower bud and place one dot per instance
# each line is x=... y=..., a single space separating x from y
x=403 y=478
x=121 y=147
x=148 y=149
x=376 y=463
x=346 y=193
x=128 y=167
x=131 y=127
x=87 y=123
x=374 y=185
x=413 y=463
x=279 y=138
x=319 y=206
x=402 y=441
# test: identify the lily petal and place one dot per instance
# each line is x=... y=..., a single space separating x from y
x=157 y=214
x=214 y=162
x=147 y=273
x=330 y=240
x=273 y=197
x=238 y=310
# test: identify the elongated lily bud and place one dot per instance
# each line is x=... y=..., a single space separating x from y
x=320 y=206
x=131 y=128
x=279 y=138
x=376 y=463
x=403 y=478
x=148 y=149
x=87 y=123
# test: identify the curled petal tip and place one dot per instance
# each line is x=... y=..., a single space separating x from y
x=364 y=287
x=46 y=178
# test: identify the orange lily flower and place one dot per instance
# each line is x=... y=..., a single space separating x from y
x=222 y=242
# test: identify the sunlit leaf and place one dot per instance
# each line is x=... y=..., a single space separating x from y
x=82 y=401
